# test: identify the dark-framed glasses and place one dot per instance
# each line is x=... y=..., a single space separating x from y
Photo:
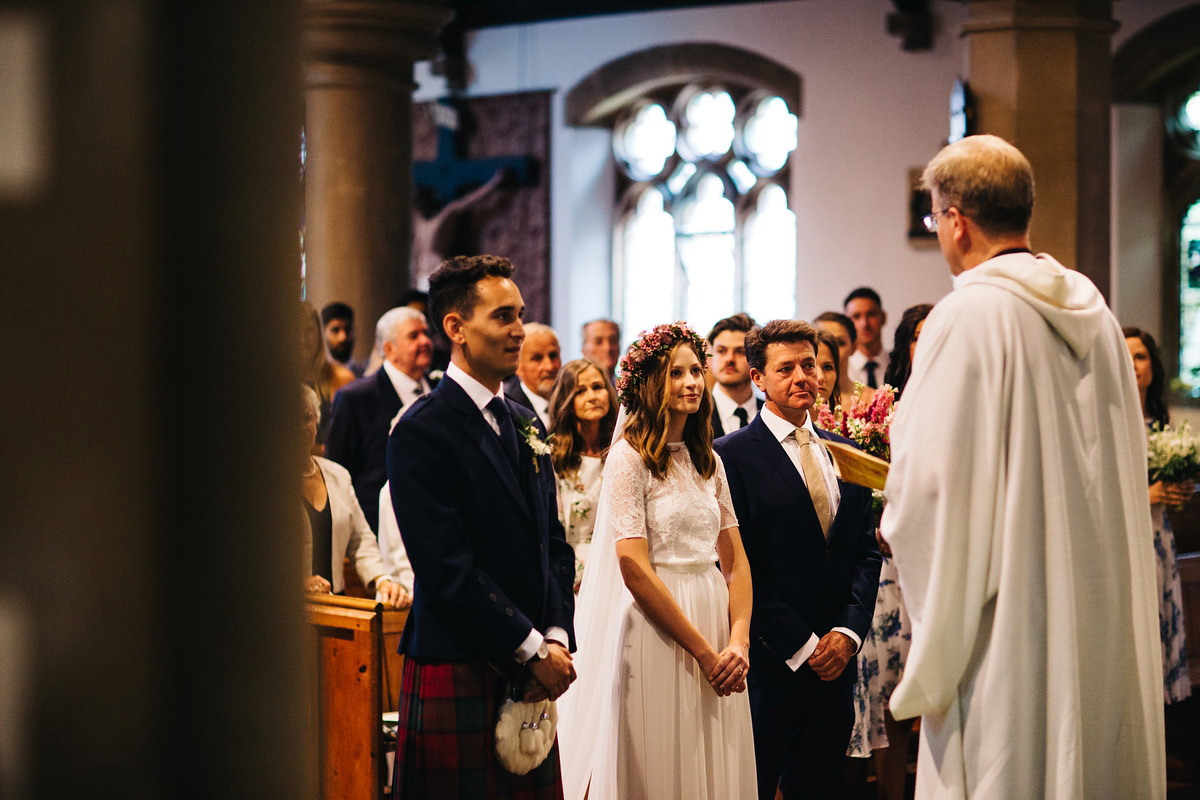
x=931 y=220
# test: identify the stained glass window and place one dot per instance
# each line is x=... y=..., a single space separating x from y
x=1189 y=301
x=706 y=231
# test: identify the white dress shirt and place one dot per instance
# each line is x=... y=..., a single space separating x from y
x=784 y=431
x=481 y=395
x=726 y=405
x=856 y=366
x=540 y=404
x=406 y=388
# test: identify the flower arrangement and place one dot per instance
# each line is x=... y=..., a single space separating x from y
x=659 y=339
x=1173 y=453
x=867 y=425
x=533 y=440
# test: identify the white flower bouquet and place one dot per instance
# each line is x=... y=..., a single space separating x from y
x=1173 y=453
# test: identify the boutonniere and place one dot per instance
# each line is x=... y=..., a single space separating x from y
x=538 y=445
x=434 y=376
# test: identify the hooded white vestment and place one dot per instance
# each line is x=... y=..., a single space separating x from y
x=1019 y=520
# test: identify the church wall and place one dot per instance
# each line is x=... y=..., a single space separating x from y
x=870 y=113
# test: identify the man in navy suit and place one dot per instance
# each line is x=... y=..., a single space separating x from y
x=363 y=410
x=474 y=497
x=810 y=540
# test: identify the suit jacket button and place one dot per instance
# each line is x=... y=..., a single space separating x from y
x=508 y=611
x=492 y=597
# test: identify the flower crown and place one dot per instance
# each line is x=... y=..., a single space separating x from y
x=659 y=339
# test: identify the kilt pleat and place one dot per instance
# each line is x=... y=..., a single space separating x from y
x=445 y=744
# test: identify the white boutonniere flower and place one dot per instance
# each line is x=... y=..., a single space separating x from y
x=537 y=445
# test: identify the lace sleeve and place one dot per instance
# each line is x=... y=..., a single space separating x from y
x=624 y=489
x=728 y=517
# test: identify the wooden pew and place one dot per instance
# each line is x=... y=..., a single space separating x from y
x=358 y=678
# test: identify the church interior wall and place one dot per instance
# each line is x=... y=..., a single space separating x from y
x=869 y=113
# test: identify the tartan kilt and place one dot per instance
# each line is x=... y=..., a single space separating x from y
x=446 y=741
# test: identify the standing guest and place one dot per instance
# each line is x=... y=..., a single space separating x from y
x=602 y=343
x=1018 y=518
x=538 y=366
x=474 y=497
x=659 y=712
x=336 y=527
x=842 y=328
x=829 y=378
x=810 y=540
x=337 y=319
x=583 y=413
x=363 y=411
x=734 y=403
x=1150 y=375
x=869 y=360
x=884 y=651
x=419 y=301
x=320 y=373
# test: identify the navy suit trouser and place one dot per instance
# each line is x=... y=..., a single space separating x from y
x=802 y=725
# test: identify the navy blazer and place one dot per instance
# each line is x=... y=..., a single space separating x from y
x=514 y=392
x=489 y=555
x=358 y=433
x=803 y=584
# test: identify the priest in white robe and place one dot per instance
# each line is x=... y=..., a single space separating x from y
x=1017 y=515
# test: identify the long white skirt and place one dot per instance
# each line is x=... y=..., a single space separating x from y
x=676 y=737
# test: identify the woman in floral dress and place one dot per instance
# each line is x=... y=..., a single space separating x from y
x=885 y=649
x=1148 y=369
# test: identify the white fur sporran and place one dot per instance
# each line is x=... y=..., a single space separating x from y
x=525 y=734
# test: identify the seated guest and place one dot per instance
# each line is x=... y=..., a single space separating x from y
x=734 y=403
x=602 y=343
x=363 y=411
x=537 y=367
x=337 y=528
x=338 y=322
x=829 y=376
x=842 y=327
x=320 y=373
x=583 y=412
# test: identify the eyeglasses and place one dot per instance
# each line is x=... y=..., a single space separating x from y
x=931 y=221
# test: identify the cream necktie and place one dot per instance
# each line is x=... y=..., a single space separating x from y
x=810 y=451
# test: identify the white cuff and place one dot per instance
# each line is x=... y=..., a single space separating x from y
x=797 y=661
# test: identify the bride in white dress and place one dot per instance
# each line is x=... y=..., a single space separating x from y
x=659 y=710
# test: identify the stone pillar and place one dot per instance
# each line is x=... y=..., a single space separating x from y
x=1040 y=72
x=358 y=67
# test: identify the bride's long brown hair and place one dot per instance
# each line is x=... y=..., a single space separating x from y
x=649 y=416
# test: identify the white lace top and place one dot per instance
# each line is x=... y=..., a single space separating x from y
x=680 y=515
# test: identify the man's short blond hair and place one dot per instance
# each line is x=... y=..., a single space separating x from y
x=987 y=179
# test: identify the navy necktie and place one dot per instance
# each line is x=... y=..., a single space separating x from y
x=870 y=367
x=742 y=417
x=508 y=431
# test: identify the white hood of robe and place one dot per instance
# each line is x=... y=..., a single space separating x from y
x=1069 y=302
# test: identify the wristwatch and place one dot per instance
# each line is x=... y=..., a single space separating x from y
x=543 y=651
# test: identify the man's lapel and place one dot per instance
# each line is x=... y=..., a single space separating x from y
x=778 y=460
x=387 y=391
x=477 y=430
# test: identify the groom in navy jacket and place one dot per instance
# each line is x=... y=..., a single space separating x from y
x=810 y=540
x=474 y=497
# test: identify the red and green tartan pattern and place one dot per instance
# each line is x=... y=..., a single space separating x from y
x=446 y=746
